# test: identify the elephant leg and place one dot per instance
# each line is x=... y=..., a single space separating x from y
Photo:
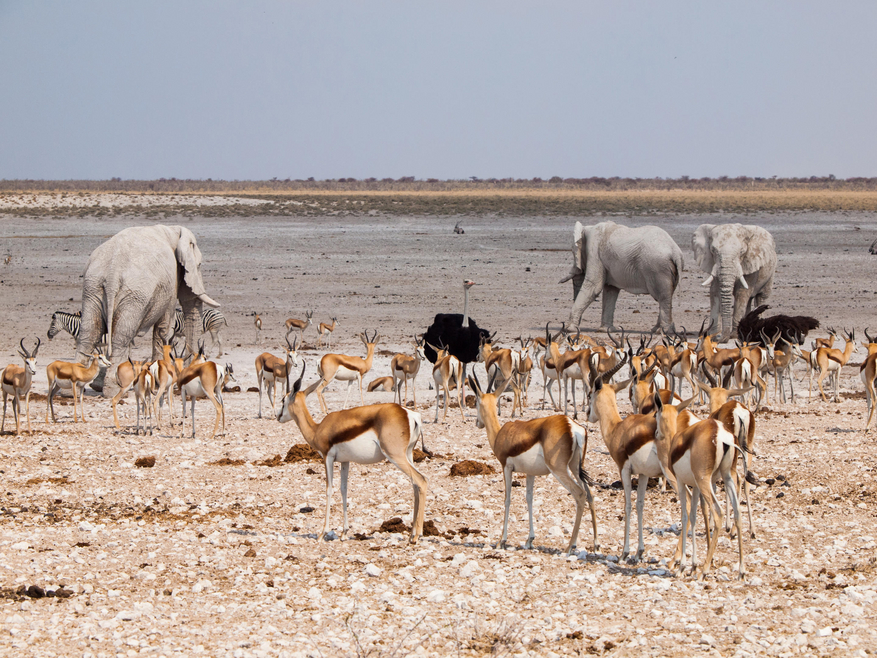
x=665 y=313
x=610 y=297
x=586 y=296
x=741 y=299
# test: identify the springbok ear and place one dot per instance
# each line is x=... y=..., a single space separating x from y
x=684 y=404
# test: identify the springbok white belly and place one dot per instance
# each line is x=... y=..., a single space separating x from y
x=573 y=372
x=531 y=462
x=364 y=449
x=645 y=461
x=346 y=374
x=194 y=389
x=63 y=383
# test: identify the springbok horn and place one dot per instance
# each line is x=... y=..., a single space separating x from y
x=24 y=349
x=36 y=349
x=867 y=337
x=297 y=385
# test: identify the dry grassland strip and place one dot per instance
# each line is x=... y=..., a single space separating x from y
x=463 y=202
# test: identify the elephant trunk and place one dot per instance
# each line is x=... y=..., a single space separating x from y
x=727 y=279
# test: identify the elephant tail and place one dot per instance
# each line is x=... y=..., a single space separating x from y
x=678 y=266
x=110 y=295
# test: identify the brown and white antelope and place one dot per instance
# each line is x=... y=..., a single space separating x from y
x=271 y=369
x=547 y=365
x=525 y=368
x=780 y=361
x=292 y=324
x=405 y=367
x=868 y=374
x=714 y=357
x=258 y=324
x=362 y=435
x=697 y=457
x=573 y=366
x=205 y=380
x=16 y=381
x=75 y=376
x=383 y=383
x=325 y=333
x=631 y=444
x=502 y=365
x=144 y=388
x=447 y=374
x=346 y=369
x=126 y=376
x=831 y=360
x=554 y=445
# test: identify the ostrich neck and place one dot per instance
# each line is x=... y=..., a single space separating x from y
x=466 y=308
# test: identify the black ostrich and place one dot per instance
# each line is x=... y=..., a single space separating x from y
x=792 y=328
x=457 y=332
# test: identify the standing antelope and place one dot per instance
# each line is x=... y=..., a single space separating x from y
x=502 y=365
x=868 y=374
x=293 y=324
x=547 y=365
x=780 y=361
x=363 y=435
x=258 y=323
x=830 y=361
x=447 y=373
x=697 y=457
x=631 y=444
x=270 y=369
x=346 y=369
x=76 y=376
x=406 y=367
x=126 y=376
x=205 y=380
x=554 y=445
x=144 y=387
x=525 y=368
x=325 y=333
x=16 y=381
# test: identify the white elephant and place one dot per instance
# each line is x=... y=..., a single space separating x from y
x=133 y=282
x=741 y=261
x=608 y=258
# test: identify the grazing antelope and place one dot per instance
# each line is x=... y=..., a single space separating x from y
x=502 y=365
x=554 y=445
x=258 y=324
x=830 y=361
x=270 y=369
x=406 y=367
x=293 y=324
x=363 y=435
x=631 y=444
x=384 y=383
x=447 y=373
x=126 y=376
x=697 y=457
x=325 y=333
x=346 y=369
x=205 y=380
x=75 y=376
x=16 y=381
x=868 y=374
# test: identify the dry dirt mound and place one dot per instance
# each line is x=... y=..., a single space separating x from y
x=225 y=461
x=145 y=462
x=469 y=467
x=302 y=452
x=396 y=525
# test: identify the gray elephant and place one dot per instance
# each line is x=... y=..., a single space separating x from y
x=741 y=261
x=133 y=282
x=608 y=258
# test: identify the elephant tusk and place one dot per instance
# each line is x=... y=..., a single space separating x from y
x=708 y=280
x=207 y=300
x=742 y=281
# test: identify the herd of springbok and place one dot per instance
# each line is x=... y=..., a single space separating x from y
x=662 y=438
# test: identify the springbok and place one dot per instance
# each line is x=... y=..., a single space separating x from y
x=270 y=369
x=362 y=435
x=205 y=380
x=126 y=376
x=346 y=369
x=75 y=376
x=16 y=381
x=324 y=332
x=405 y=367
x=554 y=445
x=447 y=373
x=292 y=324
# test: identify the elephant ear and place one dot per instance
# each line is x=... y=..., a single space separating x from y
x=760 y=250
x=700 y=245
x=579 y=244
x=189 y=256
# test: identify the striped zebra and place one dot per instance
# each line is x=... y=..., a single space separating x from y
x=212 y=321
x=69 y=322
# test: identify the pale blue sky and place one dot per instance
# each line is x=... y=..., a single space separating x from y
x=443 y=89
